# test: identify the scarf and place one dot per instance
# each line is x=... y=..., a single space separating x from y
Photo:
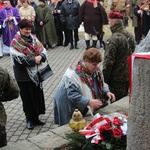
x=94 y=2
x=28 y=49
x=80 y=70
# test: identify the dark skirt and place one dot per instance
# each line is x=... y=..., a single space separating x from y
x=33 y=100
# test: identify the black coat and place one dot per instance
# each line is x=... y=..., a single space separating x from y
x=93 y=18
x=58 y=24
x=70 y=14
x=143 y=21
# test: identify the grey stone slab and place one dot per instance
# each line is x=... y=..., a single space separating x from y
x=123 y=103
x=120 y=106
x=48 y=141
x=21 y=145
x=111 y=109
x=139 y=112
x=60 y=131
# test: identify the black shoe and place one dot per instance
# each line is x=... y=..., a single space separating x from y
x=59 y=44
x=101 y=45
x=39 y=122
x=71 y=47
x=29 y=125
x=76 y=47
x=66 y=44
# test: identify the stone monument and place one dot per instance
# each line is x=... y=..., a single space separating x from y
x=138 y=135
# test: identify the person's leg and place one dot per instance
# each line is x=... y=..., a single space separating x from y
x=101 y=40
x=94 y=40
x=60 y=38
x=3 y=119
x=66 y=37
x=87 y=40
x=71 y=39
x=76 y=37
x=3 y=136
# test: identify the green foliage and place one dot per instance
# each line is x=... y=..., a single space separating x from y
x=79 y=142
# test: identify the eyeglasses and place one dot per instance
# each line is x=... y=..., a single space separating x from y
x=5 y=3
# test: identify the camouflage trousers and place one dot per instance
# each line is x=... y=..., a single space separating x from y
x=3 y=136
x=3 y=118
x=119 y=89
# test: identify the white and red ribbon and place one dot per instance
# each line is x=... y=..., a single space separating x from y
x=131 y=58
x=92 y=130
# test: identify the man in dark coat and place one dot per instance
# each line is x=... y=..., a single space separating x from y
x=94 y=16
x=8 y=91
x=115 y=66
x=70 y=18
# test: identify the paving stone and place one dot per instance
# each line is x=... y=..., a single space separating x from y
x=48 y=141
x=22 y=145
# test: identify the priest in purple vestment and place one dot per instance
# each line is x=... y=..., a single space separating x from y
x=9 y=18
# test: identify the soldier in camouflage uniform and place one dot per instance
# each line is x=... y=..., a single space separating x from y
x=118 y=48
x=8 y=90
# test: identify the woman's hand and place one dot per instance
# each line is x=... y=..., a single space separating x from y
x=111 y=96
x=38 y=59
x=139 y=11
x=95 y=103
x=41 y=23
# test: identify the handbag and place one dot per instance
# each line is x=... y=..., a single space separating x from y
x=45 y=73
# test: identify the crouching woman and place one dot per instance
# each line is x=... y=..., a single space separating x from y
x=81 y=87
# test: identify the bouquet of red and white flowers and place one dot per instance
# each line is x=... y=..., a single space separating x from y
x=103 y=133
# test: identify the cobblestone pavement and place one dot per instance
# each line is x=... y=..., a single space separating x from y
x=60 y=58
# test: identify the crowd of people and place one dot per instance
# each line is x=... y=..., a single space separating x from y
x=56 y=22
x=29 y=29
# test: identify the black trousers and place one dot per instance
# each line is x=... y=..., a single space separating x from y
x=3 y=136
x=60 y=37
x=73 y=36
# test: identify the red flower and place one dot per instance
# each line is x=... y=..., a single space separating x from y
x=26 y=51
x=126 y=114
x=91 y=83
x=83 y=79
x=13 y=43
x=117 y=121
x=79 y=68
x=108 y=120
x=117 y=132
x=105 y=126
